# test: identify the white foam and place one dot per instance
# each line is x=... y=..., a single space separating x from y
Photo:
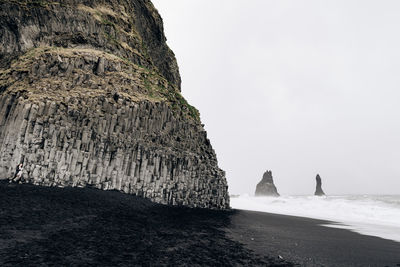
x=369 y=215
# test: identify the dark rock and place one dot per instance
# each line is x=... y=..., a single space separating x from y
x=318 y=190
x=129 y=29
x=266 y=186
x=90 y=95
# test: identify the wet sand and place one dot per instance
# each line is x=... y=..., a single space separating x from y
x=88 y=227
x=306 y=242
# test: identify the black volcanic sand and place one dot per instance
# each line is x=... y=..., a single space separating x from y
x=41 y=226
x=306 y=242
x=88 y=227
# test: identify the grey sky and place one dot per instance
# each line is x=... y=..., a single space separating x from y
x=298 y=87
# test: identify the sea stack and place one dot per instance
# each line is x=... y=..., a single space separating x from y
x=266 y=186
x=318 y=190
x=90 y=95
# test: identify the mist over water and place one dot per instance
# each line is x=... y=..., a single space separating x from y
x=376 y=215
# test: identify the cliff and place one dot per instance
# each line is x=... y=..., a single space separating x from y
x=266 y=186
x=318 y=188
x=90 y=95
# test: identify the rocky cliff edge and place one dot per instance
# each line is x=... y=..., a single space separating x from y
x=90 y=95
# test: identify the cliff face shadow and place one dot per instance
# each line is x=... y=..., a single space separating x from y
x=73 y=226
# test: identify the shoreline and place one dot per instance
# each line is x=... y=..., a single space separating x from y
x=369 y=215
x=84 y=226
x=309 y=242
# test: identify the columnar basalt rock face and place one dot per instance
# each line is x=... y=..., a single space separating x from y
x=90 y=95
x=318 y=189
x=266 y=186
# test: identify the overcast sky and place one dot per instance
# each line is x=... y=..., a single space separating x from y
x=297 y=87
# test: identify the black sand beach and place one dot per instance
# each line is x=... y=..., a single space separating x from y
x=88 y=227
x=41 y=226
x=306 y=242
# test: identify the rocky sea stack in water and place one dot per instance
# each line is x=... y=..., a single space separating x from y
x=90 y=95
x=318 y=189
x=266 y=186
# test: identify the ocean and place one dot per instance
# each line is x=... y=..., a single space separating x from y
x=375 y=215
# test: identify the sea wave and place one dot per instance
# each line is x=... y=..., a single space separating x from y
x=366 y=214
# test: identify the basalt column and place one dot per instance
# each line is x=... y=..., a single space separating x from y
x=90 y=95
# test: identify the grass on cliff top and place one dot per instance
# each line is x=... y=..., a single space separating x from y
x=118 y=28
x=150 y=85
x=117 y=17
x=123 y=27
